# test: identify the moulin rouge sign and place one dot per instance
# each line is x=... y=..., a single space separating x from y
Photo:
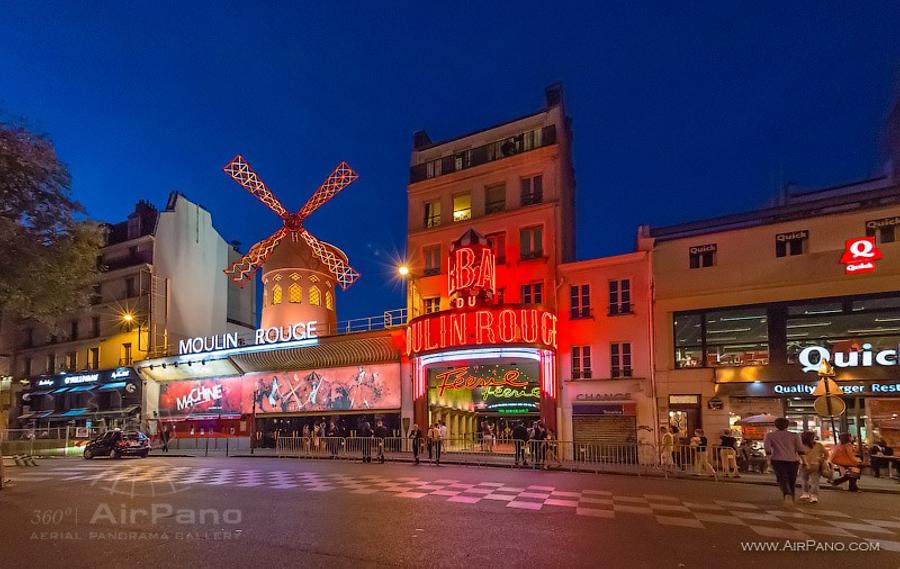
x=475 y=320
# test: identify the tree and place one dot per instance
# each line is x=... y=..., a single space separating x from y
x=48 y=250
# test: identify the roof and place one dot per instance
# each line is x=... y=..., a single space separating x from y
x=868 y=194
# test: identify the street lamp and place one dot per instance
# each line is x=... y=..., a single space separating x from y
x=129 y=318
x=403 y=270
x=409 y=279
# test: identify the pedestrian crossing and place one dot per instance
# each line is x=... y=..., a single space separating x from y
x=750 y=519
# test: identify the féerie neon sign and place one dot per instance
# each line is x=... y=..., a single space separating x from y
x=459 y=378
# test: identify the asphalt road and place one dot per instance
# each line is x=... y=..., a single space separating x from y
x=265 y=512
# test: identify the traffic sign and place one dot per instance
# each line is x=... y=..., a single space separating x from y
x=827 y=386
x=837 y=407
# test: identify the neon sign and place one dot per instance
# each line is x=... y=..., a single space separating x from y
x=263 y=336
x=863 y=358
x=459 y=378
x=471 y=278
x=860 y=255
x=486 y=326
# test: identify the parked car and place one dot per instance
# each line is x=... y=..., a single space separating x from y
x=116 y=444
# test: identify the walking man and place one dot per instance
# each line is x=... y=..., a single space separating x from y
x=415 y=435
x=366 y=434
x=784 y=449
x=520 y=438
x=381 y=433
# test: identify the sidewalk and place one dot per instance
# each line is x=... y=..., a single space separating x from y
x=866 y=483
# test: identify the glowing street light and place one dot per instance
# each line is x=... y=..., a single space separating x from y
x=403 y=270
x=127 y=317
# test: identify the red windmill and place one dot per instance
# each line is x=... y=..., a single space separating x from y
x=242 y=270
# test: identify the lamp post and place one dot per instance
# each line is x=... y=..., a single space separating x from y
x=826 y=375
x=409 y=279
x=129 y=319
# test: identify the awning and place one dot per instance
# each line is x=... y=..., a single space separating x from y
x=82 y=388
x=36 y=393
x=25 y=416
x=123 y=411
x=71 y=413
x=116 y=385
x=60 y=390
x=41 y=414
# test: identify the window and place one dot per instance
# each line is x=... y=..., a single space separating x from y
x=126 y=354
x=26 y=366
x=791 y=244
x=620 y=360
x=433 y=168
x=532 y=190
x=432 y=214
x=497 y=243
x=581 y=362
x=702 y=257
x=95 y=326
x=71 y=361
x=533 y=138
x=883 y=230
x=295 y=294
x=329 y=300
x=727 y=337
x=533 y=293
x=93 y=358
x=432 y=255
x=315 y=296
x=432 y=304
x=51 y=363
x=276 y=294
x=462 y=207
x=462 y=160
x=129 y=287
x=73 y=330
x=620 y=297
x=580 y=301
x=97 y=294
x=495 y=198
x=531 y=242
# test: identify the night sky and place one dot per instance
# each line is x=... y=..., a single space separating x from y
x=679 y=112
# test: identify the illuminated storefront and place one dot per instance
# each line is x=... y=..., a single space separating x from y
x=482 y=359
x=101 y=398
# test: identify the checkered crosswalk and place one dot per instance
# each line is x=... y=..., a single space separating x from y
x=807 y=523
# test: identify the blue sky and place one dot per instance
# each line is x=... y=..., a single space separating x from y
x=680 y=111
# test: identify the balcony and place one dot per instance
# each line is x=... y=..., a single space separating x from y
x=130 y=260
x=497 y=150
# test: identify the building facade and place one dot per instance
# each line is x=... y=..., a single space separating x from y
x=160 y=280
x=747 y=306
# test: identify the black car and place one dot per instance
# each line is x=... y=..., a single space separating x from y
x=116 y=444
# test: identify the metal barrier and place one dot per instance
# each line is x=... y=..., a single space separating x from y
x=61 y=441
x=206 y=445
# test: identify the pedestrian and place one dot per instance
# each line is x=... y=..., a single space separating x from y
x=415 y=435
x=164 y=439
x=701 y=457
x=381 y=434
x=552 y=458
x=438 y=438
x=429 y=440
x=877 y=453
x=813 y=464
x=442 y=427
x=728 y=454
x=844 y=457
x=666 y=449
x=331 y=435
x=784 y=449
x=366 y=433
x=520 y=439
x=540 y=437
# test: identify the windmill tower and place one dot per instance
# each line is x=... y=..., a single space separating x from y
x=300 y=272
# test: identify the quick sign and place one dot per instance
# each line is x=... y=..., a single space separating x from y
x=272 y=335
x=860 y=255
x=696 y=250
x=486 y=326
x=811 y=357
x=879 y=223
x=802 y=234
x=806 y=389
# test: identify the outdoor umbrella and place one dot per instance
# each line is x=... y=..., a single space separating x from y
x=764 y=420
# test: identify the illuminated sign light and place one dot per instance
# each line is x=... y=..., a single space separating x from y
x=486 y=326
x=545 y=357
x=263 y=336
x=457 y=379
x=44 y=382
x=471 y=274
x=860 y=255
x=864 y=358
x=807 y=388
x=79 y=379
x=202 y=394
